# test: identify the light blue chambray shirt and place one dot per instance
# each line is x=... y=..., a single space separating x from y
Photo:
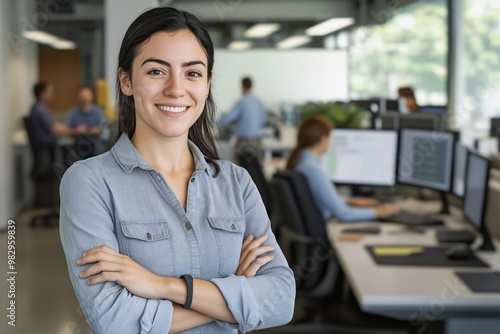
x=250 y=114
x=325 y=193
x=118 y=200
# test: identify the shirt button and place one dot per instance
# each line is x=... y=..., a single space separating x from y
x=260 y=323
x=233 y=226
x=192 y=179
x=148 y=236
x=188 y=226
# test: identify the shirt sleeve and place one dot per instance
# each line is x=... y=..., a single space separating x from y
x=46 y=117
x=232 y=116
x=86 y=222
x=266 y=300
x=329 y=201
x=70 y=120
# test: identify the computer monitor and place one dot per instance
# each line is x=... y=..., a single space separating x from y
x=363 y=157
x=420 y=121
x=476 y=195
x=425 y=158
x=394 y=121
x=432 y=110
x=391 y=105
x=459 y=168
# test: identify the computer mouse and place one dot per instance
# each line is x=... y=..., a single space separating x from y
x=460 y=251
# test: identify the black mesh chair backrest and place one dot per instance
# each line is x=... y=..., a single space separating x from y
x=250 y=162
x=315 y=225
x=286 y=206
x=314 y=265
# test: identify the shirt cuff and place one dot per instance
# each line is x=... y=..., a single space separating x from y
x=240 y=301
x=157 y=320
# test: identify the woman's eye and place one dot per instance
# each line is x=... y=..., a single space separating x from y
x=155 y=72
x=194 y=74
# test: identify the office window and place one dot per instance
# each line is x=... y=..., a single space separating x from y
x=409 y=49
x=481 y=64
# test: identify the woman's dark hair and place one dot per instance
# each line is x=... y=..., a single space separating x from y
x=166 y=19
x=310 y=133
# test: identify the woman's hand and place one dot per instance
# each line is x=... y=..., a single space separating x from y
x=363 y=201
x=111 y=266
x=249 y=260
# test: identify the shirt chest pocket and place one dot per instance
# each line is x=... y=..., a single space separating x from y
x=148 y=243
x=228 y=233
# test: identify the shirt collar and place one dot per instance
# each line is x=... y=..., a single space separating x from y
x=127 y=156
x=309 y=156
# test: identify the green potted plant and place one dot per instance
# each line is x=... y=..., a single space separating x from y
x=340 y=114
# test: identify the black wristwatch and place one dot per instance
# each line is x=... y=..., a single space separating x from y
x=189 y=285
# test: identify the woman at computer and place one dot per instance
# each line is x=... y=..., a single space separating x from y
x=313 y=142
x=159 y=234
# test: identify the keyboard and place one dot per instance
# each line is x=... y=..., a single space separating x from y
x=412 y=219
x=460 y=236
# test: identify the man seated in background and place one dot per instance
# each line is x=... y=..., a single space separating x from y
x=87 y=114
x=45 y=126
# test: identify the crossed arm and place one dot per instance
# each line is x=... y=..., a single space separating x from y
x=208 y=303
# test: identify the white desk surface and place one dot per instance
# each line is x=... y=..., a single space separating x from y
x=404 y=291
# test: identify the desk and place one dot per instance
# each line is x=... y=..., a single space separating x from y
x=417 y=294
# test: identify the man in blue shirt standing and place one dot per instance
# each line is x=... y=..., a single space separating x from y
x=250 y=114
x=89 y=115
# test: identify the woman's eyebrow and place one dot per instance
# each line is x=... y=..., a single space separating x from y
x=166 y=63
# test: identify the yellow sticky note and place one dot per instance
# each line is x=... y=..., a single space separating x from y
x=397 y=251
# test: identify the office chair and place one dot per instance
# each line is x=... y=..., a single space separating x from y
x=249 y=161
x=324 y=283
x=44 y=177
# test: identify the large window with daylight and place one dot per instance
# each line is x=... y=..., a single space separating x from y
x=480 y=74
x=409 y=49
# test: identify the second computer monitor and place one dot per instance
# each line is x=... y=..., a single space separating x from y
x=459 y=168
x=425 y=158
x=363 y=157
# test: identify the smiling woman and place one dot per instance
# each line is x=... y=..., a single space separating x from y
x=159 y=234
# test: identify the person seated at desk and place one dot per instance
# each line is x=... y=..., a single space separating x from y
x=88 y=114
x=410 y=104
x=313 y=142
x=45 y=126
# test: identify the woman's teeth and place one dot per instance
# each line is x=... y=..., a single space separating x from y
x=172 y=109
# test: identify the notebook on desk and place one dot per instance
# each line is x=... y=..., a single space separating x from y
x=412 y=219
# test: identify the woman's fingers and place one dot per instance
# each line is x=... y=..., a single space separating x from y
x=100 y=267
x=252 y=245
x=254 y=253
x=104 y=277
x=251 y=271
x=247 y=241
x=97 y=256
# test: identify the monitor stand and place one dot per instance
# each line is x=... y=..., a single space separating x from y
x=487 y=244
x=445 y=210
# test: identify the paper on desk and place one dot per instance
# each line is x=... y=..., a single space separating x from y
x=397 y=251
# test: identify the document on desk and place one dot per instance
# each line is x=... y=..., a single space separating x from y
x=397 y=250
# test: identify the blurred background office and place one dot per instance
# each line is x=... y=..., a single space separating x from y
x=370 y=64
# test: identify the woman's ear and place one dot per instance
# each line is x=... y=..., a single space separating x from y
x=125 y=82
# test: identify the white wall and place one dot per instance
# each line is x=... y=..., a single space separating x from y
x=18 y=59
x=292 y=76
x=119 y=14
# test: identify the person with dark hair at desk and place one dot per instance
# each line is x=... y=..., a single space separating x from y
x=250 y=114
x=313 y=142
x=409 y=104
x=45 y=126
x=88 y=114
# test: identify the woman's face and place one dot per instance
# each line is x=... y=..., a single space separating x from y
x=169 y=83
